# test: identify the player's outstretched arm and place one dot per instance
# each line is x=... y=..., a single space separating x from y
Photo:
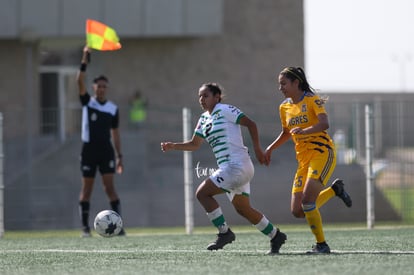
x=191 y=145
x=282 y=138
x=254 y=134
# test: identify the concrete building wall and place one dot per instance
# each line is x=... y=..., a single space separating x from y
x=19 y=78
x=258 y=38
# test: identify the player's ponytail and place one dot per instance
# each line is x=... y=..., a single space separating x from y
x=293 y=73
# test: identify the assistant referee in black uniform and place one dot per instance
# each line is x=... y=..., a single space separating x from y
x=101 y=139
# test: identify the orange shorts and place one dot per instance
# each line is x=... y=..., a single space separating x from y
x=314 y=164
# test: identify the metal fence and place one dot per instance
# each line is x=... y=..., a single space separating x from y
x=393 y=144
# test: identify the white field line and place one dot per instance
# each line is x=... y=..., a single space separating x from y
x=382 y=252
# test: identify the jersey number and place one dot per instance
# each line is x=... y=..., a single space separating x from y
x=208 y=129
x=298 y=182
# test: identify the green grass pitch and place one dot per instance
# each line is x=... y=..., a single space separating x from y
x=355 y=250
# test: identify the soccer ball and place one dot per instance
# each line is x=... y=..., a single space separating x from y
x=108 y=223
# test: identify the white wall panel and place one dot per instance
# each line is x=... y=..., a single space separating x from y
x=75 y=13
x=164 y=17
x=50 y=19
x=204 y=16
x=126 y=16
x=8 y=18
x=40 y=17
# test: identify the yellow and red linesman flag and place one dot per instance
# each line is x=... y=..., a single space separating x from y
x=101 y=37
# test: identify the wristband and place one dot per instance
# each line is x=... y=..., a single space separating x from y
x=120 y=156
x=82 y=67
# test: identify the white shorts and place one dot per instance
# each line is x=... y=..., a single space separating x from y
x=234 y=179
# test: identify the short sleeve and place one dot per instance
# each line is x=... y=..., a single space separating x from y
x=84 y=99
x=198 y=129
x=318 y=105
x=233 y=114
x=282 y=115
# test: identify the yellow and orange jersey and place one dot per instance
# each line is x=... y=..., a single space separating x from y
x=304 y=114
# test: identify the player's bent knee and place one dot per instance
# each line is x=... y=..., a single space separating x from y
x=241 y=211
x=200 y=195
x=298 y=213
x=308 y=206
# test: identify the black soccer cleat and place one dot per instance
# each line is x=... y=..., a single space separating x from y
x=277 y=241
x=338 y=187
x=222 y=240
x=320 y=248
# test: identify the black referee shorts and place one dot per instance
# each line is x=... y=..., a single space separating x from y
x=95 y=157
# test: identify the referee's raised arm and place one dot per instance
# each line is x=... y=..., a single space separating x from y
x=82 y=71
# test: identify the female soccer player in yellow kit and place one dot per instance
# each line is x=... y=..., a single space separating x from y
x=305 y=120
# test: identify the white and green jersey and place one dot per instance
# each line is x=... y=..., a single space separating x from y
x=222 y=131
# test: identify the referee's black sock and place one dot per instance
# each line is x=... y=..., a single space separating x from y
x=84 y=207
x=116 y=206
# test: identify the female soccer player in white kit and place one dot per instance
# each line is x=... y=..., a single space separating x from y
x=219 y=125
